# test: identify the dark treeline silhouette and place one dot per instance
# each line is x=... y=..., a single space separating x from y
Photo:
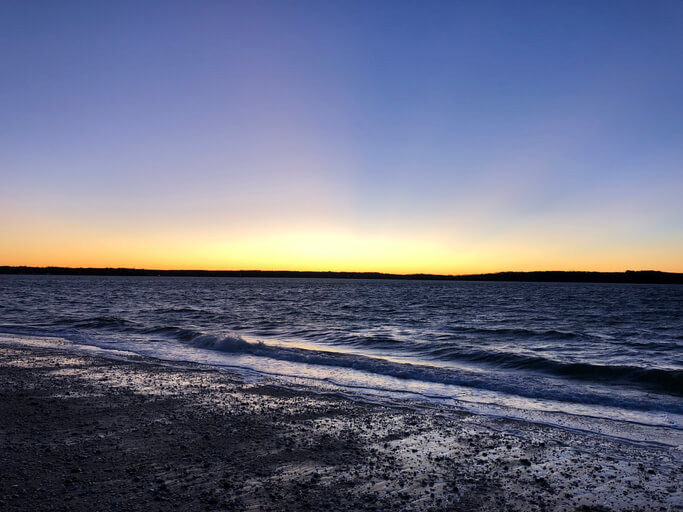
x=630 y=276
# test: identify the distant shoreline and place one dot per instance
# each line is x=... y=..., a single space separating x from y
x=630 y=276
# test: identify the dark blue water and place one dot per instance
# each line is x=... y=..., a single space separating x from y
x=572 y=345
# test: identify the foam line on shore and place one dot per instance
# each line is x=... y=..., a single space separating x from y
x=664 y=433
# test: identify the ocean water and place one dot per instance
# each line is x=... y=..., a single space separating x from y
x=564 y=350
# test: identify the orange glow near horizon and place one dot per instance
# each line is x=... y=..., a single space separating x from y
x=321 y=251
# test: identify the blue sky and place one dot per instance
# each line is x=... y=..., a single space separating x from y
x=393 y=136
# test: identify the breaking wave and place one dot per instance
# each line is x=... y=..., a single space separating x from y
x=492 y=381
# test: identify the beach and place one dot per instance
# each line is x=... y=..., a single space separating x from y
x=84 y=432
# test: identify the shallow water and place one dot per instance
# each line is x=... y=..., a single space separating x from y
x=597 y=350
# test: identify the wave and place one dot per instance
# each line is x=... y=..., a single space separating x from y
x=479 y=332
x=179 y=309
x=103 y=322
x=93 y=322
x=521 y=332
x=667 y=381
x=179 y=333
x=670 y=381
x=654 y=379
x=513 y=384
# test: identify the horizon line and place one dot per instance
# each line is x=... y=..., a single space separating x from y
x=626 y=276
x=143 y=269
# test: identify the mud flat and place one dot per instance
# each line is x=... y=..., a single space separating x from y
x=81 y=432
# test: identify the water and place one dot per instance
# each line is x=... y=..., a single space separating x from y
x=600 y=351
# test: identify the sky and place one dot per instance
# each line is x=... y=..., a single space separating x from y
x=419 y=136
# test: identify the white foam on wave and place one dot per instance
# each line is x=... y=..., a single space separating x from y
x=253 y=359
x=528 y=390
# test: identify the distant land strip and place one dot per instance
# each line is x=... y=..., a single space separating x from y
x=630 y=276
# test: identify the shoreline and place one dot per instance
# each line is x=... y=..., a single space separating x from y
x=81 y=431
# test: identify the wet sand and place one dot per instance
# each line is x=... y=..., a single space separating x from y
x=80 y=432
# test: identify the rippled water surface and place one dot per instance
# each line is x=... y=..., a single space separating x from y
x=572 y=345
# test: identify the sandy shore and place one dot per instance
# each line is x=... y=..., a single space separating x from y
x=79 y=432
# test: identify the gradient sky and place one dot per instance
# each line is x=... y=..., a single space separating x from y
x=448 y=137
